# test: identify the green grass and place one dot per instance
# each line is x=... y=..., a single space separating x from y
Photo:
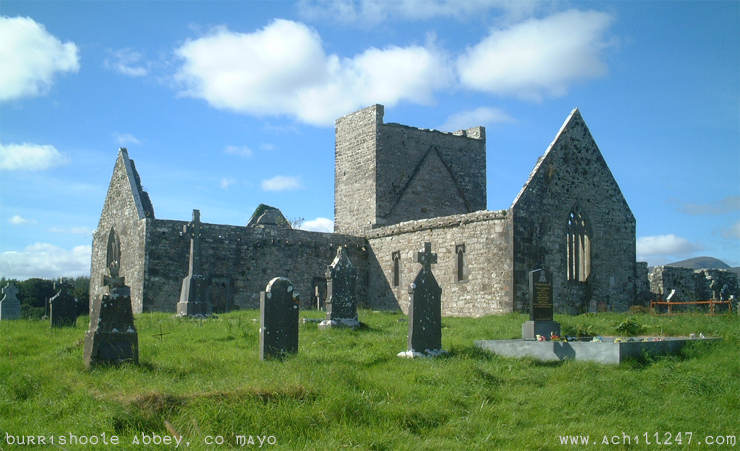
x=348 y=389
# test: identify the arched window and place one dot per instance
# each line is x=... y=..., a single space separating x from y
x=460 y=265
x=396 y=257
x=578 y=247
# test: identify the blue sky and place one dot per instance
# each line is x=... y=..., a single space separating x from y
x=224 y=105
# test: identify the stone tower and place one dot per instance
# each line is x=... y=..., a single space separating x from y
x=391 y=173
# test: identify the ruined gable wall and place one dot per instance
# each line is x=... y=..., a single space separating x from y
x=374 y=163
x=486 y=289
x=572 y=172
x=128 y=210
x=248 y=256
x=354 y=170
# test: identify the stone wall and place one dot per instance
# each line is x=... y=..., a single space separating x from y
x=427 y=173
x=240 y=261
x=128 y=210
x=487 y=264
x=690 y=284
x=664 y=279
x=391 y=173
x=572 y=175
x=354 y=170
x=642 y=284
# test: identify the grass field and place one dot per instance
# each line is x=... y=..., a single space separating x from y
x=203 y=380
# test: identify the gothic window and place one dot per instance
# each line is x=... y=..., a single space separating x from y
x=396 y=256
x=460 y=266
x=578 y=242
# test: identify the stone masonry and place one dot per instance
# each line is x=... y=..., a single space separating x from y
x=395 y=187
x=692 y=285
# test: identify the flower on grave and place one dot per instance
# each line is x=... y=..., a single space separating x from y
x=597 y=339
x=554 y=337
x=618 y=340
x=540 y=338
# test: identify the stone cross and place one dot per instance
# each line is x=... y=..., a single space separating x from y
x=10 y=306
x=192 y=229
x=195 y=293
x=425 y=310
x=279 y=305
x=111 y=337
x=426 y=258
x=341 y=302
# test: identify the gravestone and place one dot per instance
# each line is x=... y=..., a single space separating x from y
x=63 y=306
x=195 y=290
x=10 y=306
x=341 y=303
x=425 y=310
x=279 y=305
x=111 y=337
x=540 y=307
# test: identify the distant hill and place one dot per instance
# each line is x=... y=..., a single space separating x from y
x=705 y=263
x=701 y=263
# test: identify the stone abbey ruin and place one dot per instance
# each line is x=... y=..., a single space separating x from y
x=397 y=187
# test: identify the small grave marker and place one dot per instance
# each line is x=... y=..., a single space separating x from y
x=63 y=307
x=111 y=337
x=10 y=306
x=540 y=307
x=341 y=303
x=279 y=306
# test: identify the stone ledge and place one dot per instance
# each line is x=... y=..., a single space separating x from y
x=437 y=223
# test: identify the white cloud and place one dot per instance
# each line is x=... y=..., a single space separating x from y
x=46 y=261
x=537 y=57
x=126 y=138
x=29 y=157
x=664 y=245
x=479 y=116
x=376 y=11
x=281 y=183
x=318 y=225
x=732 y=232
x=19 y=220
x=127 y=62
x=268 y=146
x=72 y=230
x=242 y=151
x=226 y=182
x=282 y=69
x=30 y=57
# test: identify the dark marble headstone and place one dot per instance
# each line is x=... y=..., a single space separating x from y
x=341 y=303
x=425 y=309
x=111 y=337
x=195 y=299
x=10 y=306
x=63 y=306
x=279 y=305
x=540 y=307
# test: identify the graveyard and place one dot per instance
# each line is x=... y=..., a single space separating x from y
x=202 y=379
